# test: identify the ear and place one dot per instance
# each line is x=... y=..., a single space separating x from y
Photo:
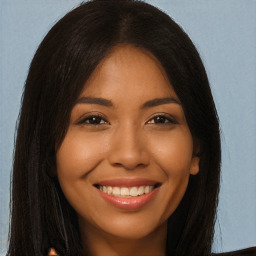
x=194 y=166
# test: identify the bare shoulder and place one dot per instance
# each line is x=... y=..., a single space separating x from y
x=52 y=252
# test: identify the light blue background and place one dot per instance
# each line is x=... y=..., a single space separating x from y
x=225 y=35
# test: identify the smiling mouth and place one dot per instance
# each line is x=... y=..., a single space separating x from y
x=128 y=192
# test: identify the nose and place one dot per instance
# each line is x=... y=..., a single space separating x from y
x=128 y=148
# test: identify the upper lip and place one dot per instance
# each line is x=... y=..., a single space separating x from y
x=131 y=182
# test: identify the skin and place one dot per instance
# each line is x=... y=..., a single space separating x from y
x=127 y=141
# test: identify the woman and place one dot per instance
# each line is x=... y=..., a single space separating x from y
x=81 y=144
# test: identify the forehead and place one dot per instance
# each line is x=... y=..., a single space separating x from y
x=128 y=72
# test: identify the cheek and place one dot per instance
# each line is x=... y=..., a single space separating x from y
x=80 y=153
x=77 y=156
x=173 y=152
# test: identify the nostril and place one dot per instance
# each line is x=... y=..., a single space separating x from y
x=118 y=164
x=128 y=156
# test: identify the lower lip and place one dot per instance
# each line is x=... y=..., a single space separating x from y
x=129 y=203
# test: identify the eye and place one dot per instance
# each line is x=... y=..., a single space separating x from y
x=93 y=120
x=162 y=120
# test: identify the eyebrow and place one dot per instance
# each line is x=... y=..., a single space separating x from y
x=160 y=101
x=108 y=103
x=98 y=101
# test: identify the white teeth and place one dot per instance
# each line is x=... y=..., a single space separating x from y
x=109 y=190
x=141 y=190
x=126 y=191
x=116 y=191
x=133 y=191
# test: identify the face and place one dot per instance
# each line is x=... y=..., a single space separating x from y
x=126 y=159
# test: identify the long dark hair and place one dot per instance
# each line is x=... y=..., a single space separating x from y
x=41 y=217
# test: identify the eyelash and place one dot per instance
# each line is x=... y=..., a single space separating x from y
x=98 y=117
x=170 y=119
x=90 y=117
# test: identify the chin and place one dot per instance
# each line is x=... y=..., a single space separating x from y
x=132 y=226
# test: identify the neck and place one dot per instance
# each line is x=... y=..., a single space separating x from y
x=95 y=242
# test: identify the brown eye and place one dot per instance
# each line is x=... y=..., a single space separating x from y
x=93 y=120
x=162 y=120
